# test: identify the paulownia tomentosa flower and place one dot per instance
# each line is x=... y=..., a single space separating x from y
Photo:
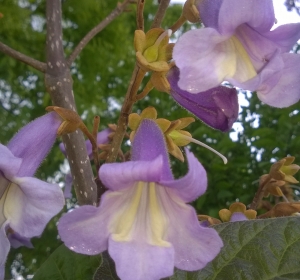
x=26 y=203
x=237 y=46
x=143 y=219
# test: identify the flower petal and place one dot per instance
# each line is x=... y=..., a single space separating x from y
x=283 y=91
x=30 y=204
x=193 y=184
x=228 y=14
x=16 y=240
x=33 y=142
x=9 y=164
x=195 y=246
x=148 y=144
x=204 y=58
x=238 y=216
x=4 y=249
x=84 y=230
x=117 y=176
x=285 y=36
x=271 y=72
x=141 y=261
x=217 y=107
x=259 y=48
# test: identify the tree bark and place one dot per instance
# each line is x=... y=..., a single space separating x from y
x=59 y=84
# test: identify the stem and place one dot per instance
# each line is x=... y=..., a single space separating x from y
x=259 y=194
x=178 y=24
x=140 y=14
x=163 y=5
x=38 y=65
x=136 y=79
x=58 y=82
x=90 y=35
x=149 y=86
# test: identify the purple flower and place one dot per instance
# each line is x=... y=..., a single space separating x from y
x=238 y=46
x=237 y=217
x=26 y=203
x=143 y=219
x=217 y=107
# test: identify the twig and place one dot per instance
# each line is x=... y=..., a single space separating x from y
x=259 y=194
x=136 y=79
x=140 y=14
x=163 y=5
x=178 y=24
x=149 y=86
x=90 y=35
x=38 y=65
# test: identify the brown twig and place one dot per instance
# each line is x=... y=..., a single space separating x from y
x=178 y=24
x=259 y=194
x=140 y=14
x=38 y=65
x=136 y=79
x=90 y=35
x=163 y=5
x=149 y=86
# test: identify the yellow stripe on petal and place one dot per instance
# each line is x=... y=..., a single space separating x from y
x=125 y=222
x=158 y=220
x=244 y=68
x=233 y=61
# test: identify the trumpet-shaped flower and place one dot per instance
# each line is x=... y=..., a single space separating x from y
x=217 y=107
x=26 y=203
x=238 y=46
x=143 y=219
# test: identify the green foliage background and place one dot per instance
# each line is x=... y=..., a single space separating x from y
x=101 y=75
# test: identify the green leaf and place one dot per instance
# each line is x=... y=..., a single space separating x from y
x=107 y=269
x=260 y=249
x=65 y=264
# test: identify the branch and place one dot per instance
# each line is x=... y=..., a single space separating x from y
x=163 y=5
x=140 y=14
x=59 y=83
x=38 y=65
x=117 y=11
